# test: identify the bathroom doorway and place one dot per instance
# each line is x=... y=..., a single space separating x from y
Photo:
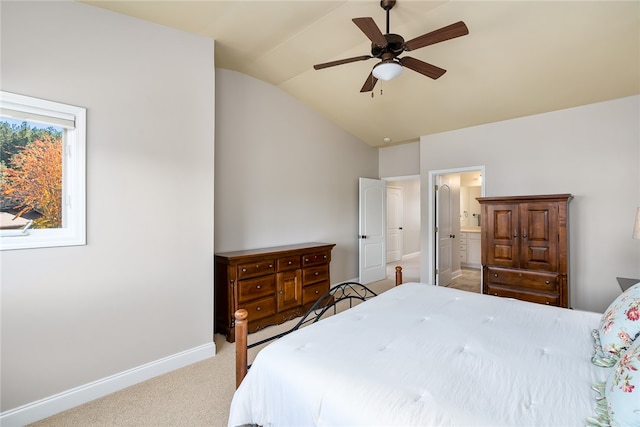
x=454 y=243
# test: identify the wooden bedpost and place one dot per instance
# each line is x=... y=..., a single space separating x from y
x=398 y=275
x=241 y=344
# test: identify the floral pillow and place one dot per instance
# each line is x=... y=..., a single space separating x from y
x=619 y=326
x=623 y=389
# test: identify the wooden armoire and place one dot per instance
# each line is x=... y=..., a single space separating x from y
x=525 y=247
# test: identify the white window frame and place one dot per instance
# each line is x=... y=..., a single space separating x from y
x=73 y=119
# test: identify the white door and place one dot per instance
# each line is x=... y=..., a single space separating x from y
x=394 y=224
x=443 y=233
x=372 y=228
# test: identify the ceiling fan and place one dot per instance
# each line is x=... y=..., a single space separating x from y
x=387 y=47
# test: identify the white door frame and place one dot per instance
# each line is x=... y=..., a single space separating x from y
x=431 y=242
x=394 y=233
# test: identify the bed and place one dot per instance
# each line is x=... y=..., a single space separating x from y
x=425 y=355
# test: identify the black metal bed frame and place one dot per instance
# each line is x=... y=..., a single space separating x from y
x=347 y=291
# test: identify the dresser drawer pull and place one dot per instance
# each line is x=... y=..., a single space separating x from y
x=244 y=270
x=258 y=287
x=547 y=282
x=317 y=292
x=290 y=262
x=495 y=274
x=258 y=308
x=317 y=273
x=306 y=260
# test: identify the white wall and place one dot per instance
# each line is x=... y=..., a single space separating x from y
x=399 y=160
x=141 y=289
x=284 y=174
x=592 y=152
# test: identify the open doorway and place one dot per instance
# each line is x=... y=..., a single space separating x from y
x=454 y=242
x=403 y=226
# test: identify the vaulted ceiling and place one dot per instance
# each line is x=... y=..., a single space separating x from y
x=520 y=57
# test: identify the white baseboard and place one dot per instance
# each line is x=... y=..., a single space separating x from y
x=57 y=403
x=411 y=255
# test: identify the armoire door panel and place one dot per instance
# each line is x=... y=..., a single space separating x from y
x=539 y=223
x=502 y=235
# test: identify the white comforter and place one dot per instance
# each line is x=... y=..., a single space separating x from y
x=428 y=356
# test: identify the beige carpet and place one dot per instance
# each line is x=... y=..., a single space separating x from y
x=196 y=395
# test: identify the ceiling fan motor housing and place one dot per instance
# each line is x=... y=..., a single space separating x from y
x=395 y=44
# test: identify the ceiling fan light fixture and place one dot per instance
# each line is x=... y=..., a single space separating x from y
x=387 y=70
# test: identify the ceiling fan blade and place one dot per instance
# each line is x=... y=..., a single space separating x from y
x=342 y=61
x=370 y=29
x=422 y=67
x=445 y=33
x=369 y=84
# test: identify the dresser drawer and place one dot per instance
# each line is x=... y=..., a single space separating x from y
x=315 y=258
x=315 y=274
x=250 y=289
x=257 y=268
x=288 y=263
x=311 y=293
x=260 y=308
x=540 y=298
x=533 y=280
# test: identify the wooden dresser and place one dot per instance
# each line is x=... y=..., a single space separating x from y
x=273 y=284
x=525 y=247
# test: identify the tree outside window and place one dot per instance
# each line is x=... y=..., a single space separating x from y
x=31 y=173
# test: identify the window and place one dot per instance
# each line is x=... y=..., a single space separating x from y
x=42 y=173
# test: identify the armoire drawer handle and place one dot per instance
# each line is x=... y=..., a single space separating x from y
x=281 y=292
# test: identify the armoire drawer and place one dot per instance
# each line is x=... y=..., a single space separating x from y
x=533 y=280
x=315 y=258
x=260 y=308
x=257 y=268
x=315 y=274
x=540 y=298
x=311 y=293
x=288 y=263
x=251 y=289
